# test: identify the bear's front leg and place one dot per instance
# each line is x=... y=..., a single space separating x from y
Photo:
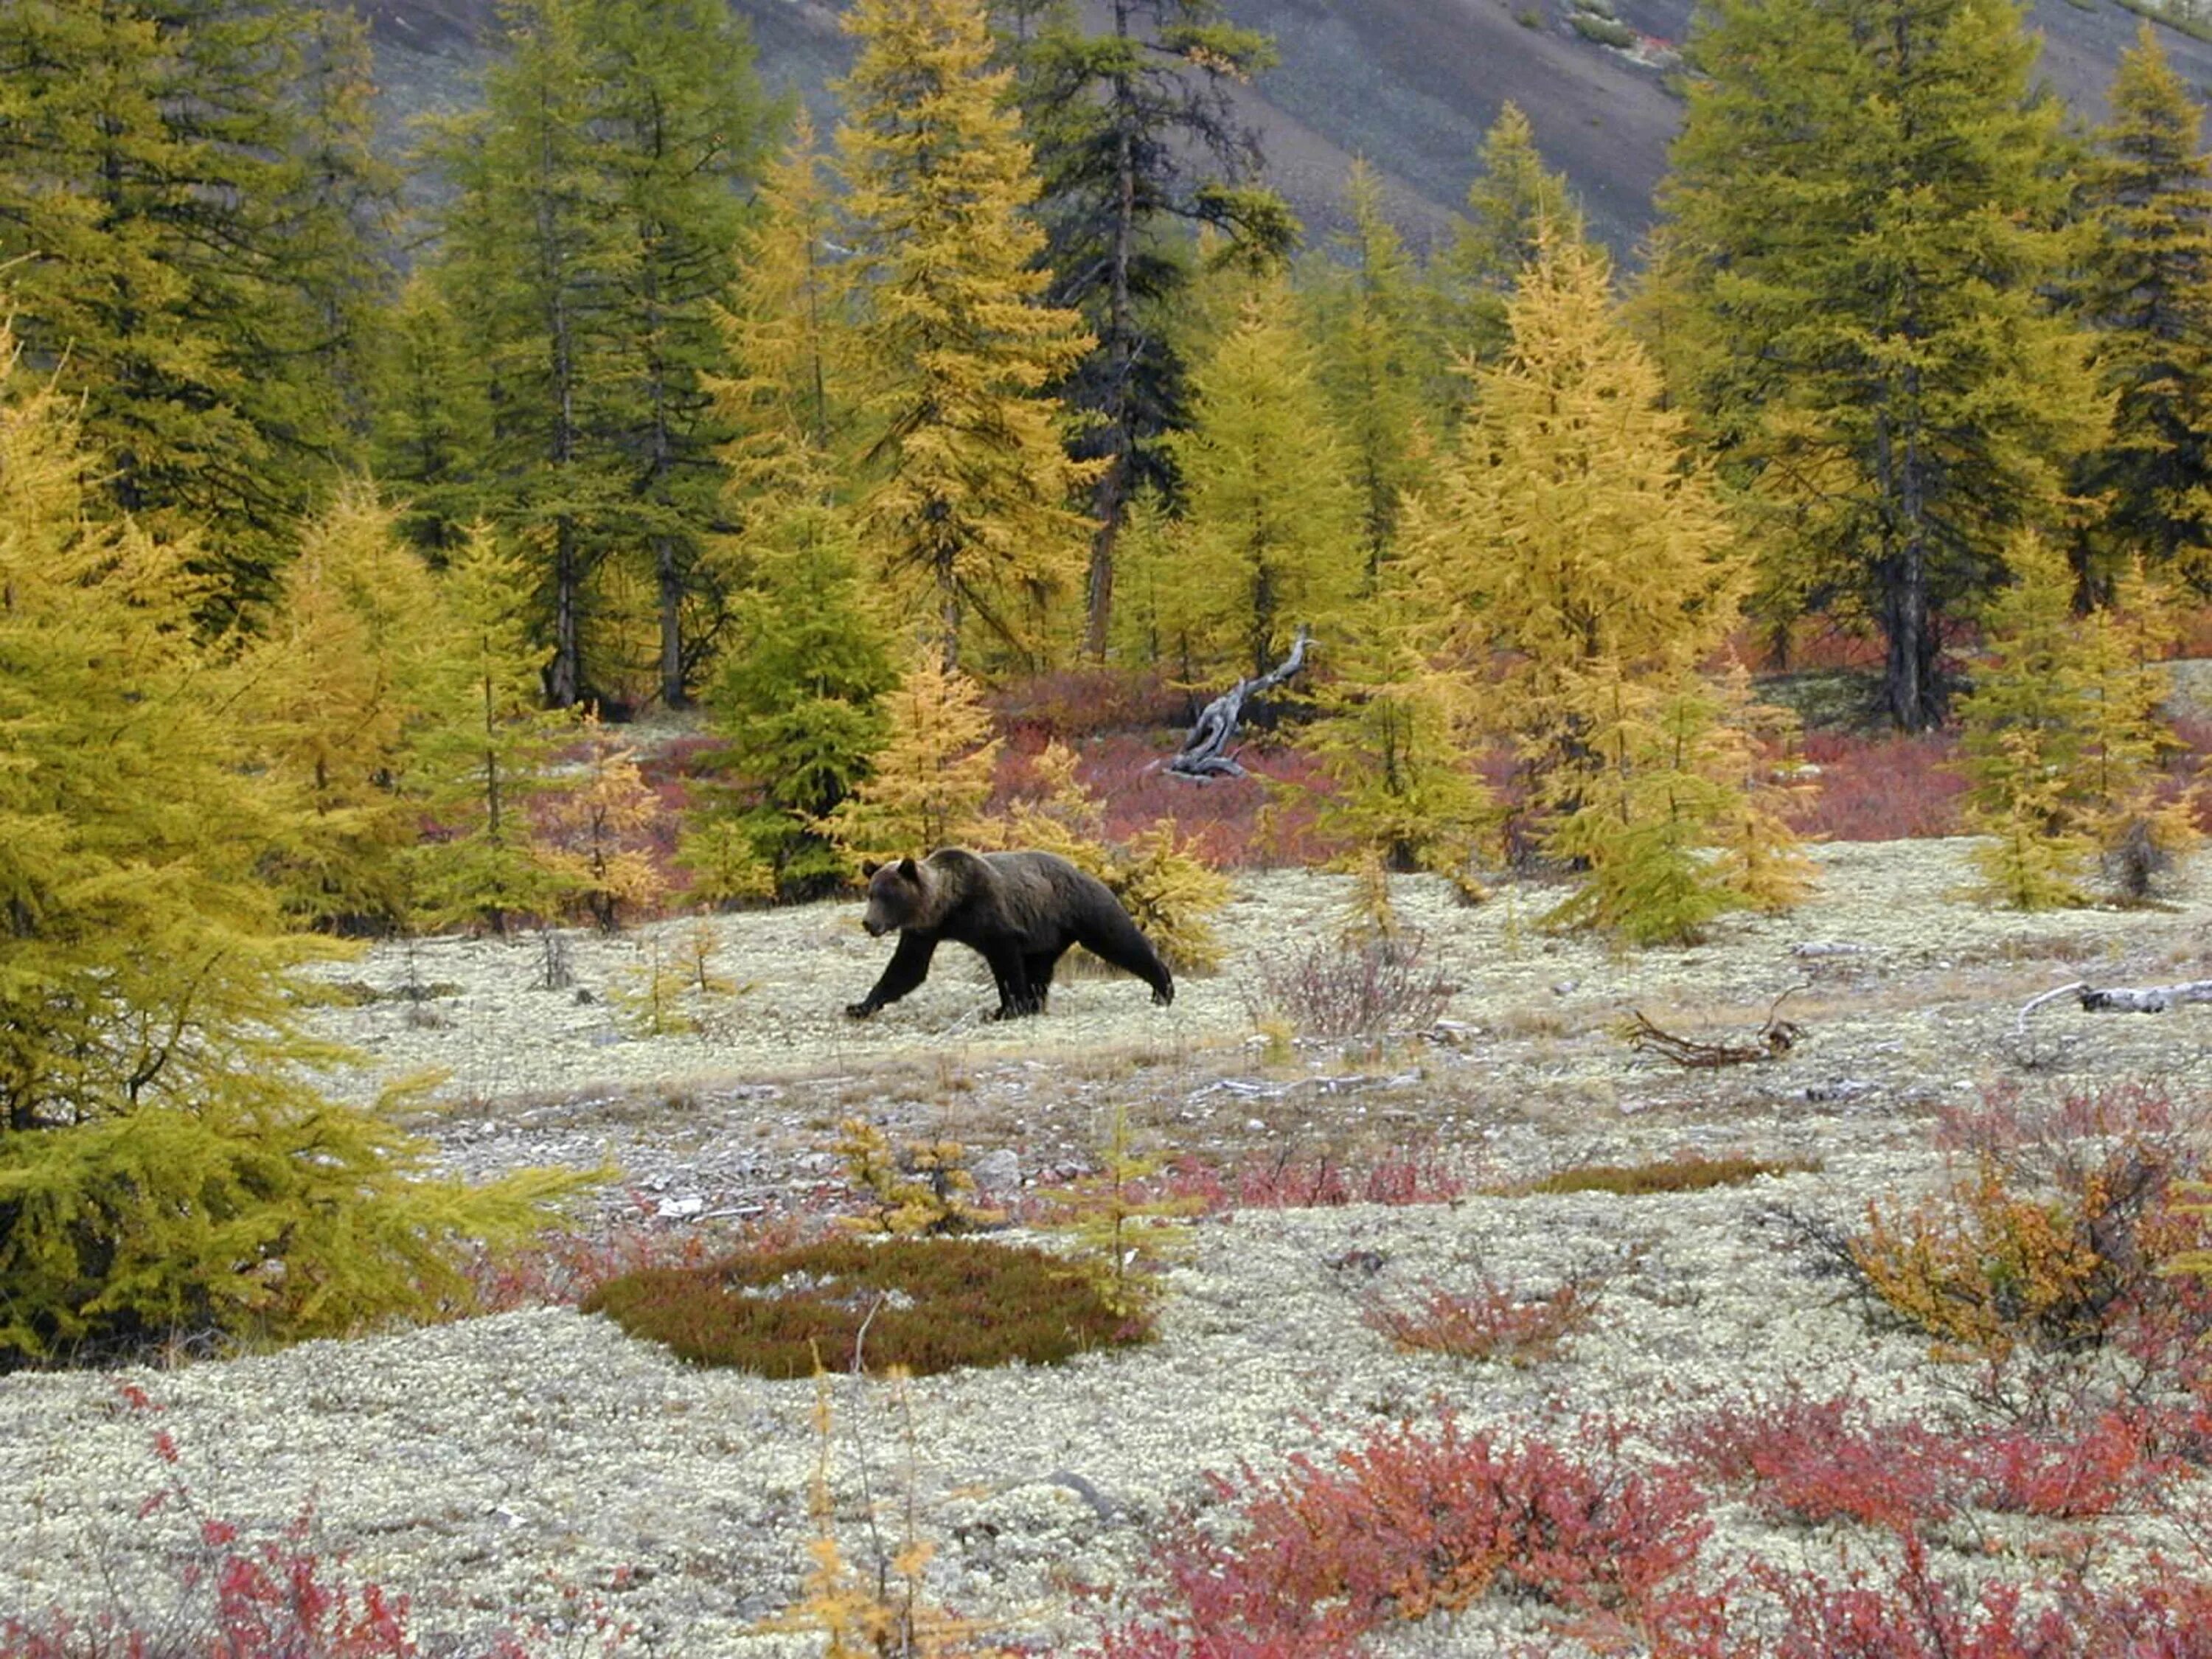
x=908 y=967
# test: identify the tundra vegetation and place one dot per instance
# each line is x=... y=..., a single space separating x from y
x=713 y=506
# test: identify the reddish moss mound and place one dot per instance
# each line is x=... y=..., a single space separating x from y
x=1676 y=1174
x=936 y=1303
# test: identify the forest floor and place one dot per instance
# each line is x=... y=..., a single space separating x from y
x=528 y=1465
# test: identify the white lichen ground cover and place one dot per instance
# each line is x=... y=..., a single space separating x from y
x=486 y=1467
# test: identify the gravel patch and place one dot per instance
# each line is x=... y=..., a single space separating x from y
x=495 y=1468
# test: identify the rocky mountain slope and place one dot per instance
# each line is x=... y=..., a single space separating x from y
x=1411 y=85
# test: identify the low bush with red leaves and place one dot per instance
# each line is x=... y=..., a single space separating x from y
x=1413 y=1521
x=1491 y=1322
x=281 y=1597
x=1903 y=1608
x=562 y=1269
x=1890 y=787
x=1812 y=1461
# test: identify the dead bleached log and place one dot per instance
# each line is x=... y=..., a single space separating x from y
x=1204 y=752
x=2114 y=998
x=2144 y=999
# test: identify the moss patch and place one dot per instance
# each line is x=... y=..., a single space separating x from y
x=1673 y=1175
x=927 y=1305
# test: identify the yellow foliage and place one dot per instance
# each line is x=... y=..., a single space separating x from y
x=930 y=781
x=883 y=1615
x=924 y=1188
x=594 y=843
x=1129 y=1234
x=1167 y=888
x=1990 y=1268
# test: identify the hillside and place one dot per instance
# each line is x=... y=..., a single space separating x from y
x=1410 y=85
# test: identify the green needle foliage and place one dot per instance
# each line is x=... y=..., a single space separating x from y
x=1138 y=141
x=799 y=698
x=334 y=691
x=188 y=209
x=1863 y=228
x=592 y=233
x=1368 y=307
x=1397 y=743
x=2146 y=288
x=1122 y=1224
x=2062 y=735
x=1514 y=205
x=1571 y=535
x=1271 y=532
x=479 y=761
x=165 y=1170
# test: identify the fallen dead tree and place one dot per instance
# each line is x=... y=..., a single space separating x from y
x=1772 y=1040
x=2123 y=999
x=1204 y=752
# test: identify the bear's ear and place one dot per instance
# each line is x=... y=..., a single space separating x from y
x=868 y=867
x=910 y=869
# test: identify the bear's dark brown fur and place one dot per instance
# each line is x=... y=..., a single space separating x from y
x=1020 y=910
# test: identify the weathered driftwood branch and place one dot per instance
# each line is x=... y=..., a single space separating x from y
x=1775 y=1039
x=2144 y=999
x=1203 y=753
x=2140 y=1000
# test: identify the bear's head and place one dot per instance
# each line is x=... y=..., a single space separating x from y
x=896 y=893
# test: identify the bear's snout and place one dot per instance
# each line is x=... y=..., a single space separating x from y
x=876 y=928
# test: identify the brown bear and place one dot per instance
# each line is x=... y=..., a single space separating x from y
x=1020 y=910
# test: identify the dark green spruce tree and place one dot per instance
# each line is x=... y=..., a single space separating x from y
x=2146 y=288
x=594 y=231
x=1137 y=141
x=1862 y=223
x=188 y=219
x=687 y=119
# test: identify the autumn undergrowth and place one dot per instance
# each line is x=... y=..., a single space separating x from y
x=236 y=1594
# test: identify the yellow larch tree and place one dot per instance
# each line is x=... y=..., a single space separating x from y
x=330 y=692
x=1573 y=536
x=931 y=778
x=966 y=509
x=1271 y=536
x=166 y=1170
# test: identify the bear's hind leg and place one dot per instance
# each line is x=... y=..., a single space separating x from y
x=1132 y=953
x=1039 y=966
x=1016 y=997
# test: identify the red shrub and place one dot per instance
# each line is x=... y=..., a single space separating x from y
x=562 y=1268
x=1410 y=1522
x=1904 y=1611
x=1908 y=1613
x=1489 y=1322
x=1813 y=1461
x=1885 y=788
x=1816 y=1460
x=1084 y=702
x=2079 y=1471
